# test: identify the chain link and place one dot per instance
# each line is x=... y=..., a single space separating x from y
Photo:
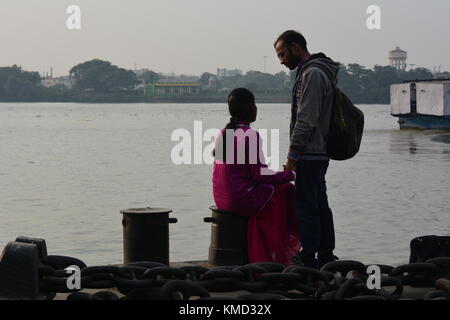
x=338 y=280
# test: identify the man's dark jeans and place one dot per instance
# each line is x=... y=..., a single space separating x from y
x=315 y=217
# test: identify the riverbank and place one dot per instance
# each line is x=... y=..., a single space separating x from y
x=158 y=99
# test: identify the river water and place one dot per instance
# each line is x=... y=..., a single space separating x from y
x=66 y=170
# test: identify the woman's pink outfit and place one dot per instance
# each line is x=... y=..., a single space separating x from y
x=246 y=188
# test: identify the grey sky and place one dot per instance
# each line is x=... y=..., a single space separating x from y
x=194 y=36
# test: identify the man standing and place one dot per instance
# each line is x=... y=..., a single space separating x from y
x=312 y=101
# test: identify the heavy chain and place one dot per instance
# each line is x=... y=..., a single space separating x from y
x=338 y=280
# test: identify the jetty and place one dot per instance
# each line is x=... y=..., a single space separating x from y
x=29 y=272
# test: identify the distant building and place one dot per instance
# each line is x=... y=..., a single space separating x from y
x=212 y=83
x=397 y=59
x=222 y=73
x=173 y=87
x=66 y=81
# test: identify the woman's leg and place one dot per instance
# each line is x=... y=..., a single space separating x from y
x=273 y=233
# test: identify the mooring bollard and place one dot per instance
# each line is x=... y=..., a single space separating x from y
x=19 y=277
x=40 y=243
x=228 y=238
x=146 y=234
x=427 y=247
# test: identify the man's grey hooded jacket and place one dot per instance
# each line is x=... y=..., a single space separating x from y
x=312 y=101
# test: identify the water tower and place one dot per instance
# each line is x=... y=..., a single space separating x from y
x=397 y=59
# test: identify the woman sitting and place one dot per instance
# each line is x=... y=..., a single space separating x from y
x=244 y=185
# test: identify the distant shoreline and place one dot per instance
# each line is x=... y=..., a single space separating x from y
x=284 y=98
x=125 y=99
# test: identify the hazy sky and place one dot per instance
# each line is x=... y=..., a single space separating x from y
x=194 y=36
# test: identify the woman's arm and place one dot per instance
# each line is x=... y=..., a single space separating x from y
x=261 y=173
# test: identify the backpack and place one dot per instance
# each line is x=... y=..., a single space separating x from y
x=346 y=124
x=346 y=128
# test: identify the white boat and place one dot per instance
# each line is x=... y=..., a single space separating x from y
x=423 y=104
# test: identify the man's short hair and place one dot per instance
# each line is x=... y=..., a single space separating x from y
x=291 y=36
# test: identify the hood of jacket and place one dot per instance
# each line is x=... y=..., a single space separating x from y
x=324 y=63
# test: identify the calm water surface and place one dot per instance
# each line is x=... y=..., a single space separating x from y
x=66 y=170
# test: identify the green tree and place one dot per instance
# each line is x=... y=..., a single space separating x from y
x=19 y=85
x=102 y=77
x=377 y=86
x=264 y=82
x=443 y=75
x=283 y=81
x=352 y=79
x=204 y=78
x=149 y=76
x=228 y=82
x=417 y=74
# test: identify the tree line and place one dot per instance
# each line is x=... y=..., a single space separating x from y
x=98 y=81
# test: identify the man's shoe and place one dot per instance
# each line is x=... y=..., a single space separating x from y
x=309 y=263
x=324 y=261
x=296 y=261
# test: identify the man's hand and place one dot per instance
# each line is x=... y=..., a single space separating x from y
x=290 y=165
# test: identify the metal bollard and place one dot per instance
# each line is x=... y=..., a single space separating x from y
x=40 y=243
x=228 y=238
x=428 y=247
x=19 y=278
x=146 y=234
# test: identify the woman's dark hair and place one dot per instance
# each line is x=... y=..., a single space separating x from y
x=291 y=36
x=240 y=106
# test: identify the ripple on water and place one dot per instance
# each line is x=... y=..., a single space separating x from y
x=84 y=173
